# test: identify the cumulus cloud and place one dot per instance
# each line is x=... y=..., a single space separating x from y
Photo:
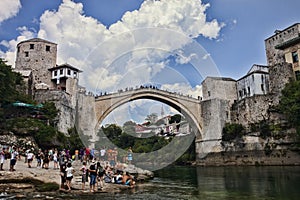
x=9 y=8
x=134 y=50
x=184 y=89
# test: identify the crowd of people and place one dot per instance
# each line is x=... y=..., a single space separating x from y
x=98 y=167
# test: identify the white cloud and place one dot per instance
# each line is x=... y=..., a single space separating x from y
x=184 y=89
x=182 y=59
x=9 y=8
x=130 y=51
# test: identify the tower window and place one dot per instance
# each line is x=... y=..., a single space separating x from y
x=31 y=46
x=61 y=71
x=69 y=72
x=26 y=54
x=295 y=56
x=262 y=87
x=55 y=73
x=47 y=48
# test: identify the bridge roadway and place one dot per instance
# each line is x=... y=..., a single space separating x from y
x=188 y=106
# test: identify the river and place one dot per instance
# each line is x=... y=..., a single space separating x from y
x=188 y=183
x=177 y=182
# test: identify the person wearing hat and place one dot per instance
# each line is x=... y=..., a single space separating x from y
x=93 y=176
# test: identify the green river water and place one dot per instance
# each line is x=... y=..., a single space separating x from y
x=188 y=183
x=177 y=182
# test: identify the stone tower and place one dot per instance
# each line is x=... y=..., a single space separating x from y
x=39 y=56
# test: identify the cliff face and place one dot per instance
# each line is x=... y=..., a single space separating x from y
x=64 y=102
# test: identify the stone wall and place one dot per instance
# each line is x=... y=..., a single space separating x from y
x=215 y=113
x=280 y=75
x=63 y=102
x=86 y=118
x=219 y=87
x=252 y=110
x=260 y=107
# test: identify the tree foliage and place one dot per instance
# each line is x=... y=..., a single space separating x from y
x=232 y=131
x=10 y=84
x=124 y=140
x=290 y=104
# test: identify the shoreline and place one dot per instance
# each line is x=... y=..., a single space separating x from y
x=32 y=181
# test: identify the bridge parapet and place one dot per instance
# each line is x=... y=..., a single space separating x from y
x=129 y=92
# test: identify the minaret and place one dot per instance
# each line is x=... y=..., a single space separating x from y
x=162 y=113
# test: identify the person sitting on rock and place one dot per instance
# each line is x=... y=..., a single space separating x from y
x=118 y=177
x=128 y=180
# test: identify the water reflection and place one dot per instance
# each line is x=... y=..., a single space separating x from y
x=248 y=182
x=234 y=183
x=213 y=183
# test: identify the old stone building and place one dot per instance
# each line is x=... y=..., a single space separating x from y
x=255 y=82
x=37 y=55
x=219 y=87
x=47 y=81
x=284 y=46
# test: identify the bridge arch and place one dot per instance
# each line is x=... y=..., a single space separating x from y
x=109 y=103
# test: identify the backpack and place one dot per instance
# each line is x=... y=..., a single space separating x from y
x=100 y=171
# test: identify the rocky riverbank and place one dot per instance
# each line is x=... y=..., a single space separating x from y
x=252 y=158
x=39 y=183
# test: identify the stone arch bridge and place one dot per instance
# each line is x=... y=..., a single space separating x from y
x=206 y=118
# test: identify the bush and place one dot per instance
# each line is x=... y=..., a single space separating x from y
x=232 y=131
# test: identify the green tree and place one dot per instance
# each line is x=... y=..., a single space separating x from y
x=113 y=133
x=232 y=131
x=175 y=118
x=290 y=104
x=11 y=86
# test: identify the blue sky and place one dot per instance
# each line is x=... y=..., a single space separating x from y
x=112 y=41
x=248 y=23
